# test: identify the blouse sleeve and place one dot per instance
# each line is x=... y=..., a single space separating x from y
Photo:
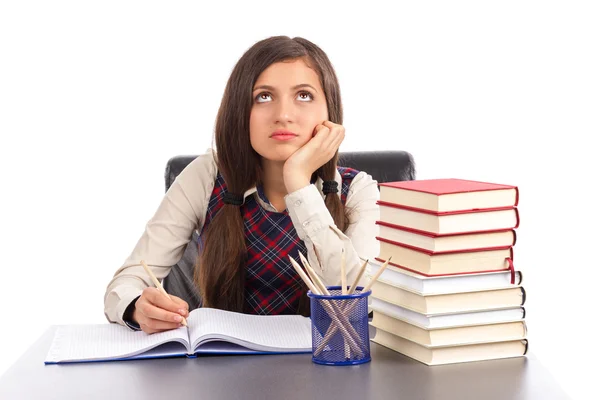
x=165 y=237
x=324 y=240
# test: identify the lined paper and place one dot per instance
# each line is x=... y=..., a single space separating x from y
x=258 y=332
x=97 y=342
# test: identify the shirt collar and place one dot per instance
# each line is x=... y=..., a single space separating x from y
x=318 y=184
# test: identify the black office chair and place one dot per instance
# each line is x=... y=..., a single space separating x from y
x=383 y=166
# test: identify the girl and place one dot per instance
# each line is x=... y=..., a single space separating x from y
x=272 y=189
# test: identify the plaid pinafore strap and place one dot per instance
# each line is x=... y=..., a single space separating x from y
x=272 y=286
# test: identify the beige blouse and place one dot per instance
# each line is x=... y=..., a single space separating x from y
x=183 y=209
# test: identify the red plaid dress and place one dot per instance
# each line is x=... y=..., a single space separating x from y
x=272 y=285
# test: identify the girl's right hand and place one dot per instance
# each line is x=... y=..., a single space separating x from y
x=154 y=312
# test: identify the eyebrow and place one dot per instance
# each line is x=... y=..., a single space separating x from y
x=268 y=87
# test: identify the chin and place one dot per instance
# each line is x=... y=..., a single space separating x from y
x=279 y=154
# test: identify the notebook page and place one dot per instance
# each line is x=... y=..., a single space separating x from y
x=93 y=342
x=257 y=332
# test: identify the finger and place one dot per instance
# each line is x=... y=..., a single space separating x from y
x=158 y=299
x=332 y=147
x=183 y=307
x=331 y=125
x=151 y=311
x=339 y=139
x=335 y=138
x=154 y=325
x=318 y=140
x=320 y=131
x=335 y=131
x=317 y=128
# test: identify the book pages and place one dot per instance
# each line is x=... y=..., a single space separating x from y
x=257 y=332
x=107 y=341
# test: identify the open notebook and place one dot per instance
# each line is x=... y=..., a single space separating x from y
x=209 y=331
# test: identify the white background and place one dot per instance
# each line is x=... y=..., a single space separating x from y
x=95 y=97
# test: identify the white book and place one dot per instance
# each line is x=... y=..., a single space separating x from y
x=450 y=319
x=452 y=354
x=209 y=330
x=426 y=285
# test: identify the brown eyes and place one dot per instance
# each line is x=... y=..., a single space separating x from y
x=263 y=96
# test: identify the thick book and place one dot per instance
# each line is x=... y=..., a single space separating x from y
x=425 y=285
x=501 y=331
x=209 y=331
x=444 y=263
x=451 y=222
x=453 y=242
x=442 y=195
x=447 y=320
x=451 y=354
x=450 y=302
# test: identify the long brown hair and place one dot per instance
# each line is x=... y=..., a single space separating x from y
x=221 y=267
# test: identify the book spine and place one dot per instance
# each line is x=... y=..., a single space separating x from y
x=435 y=253
x=434 y=275
x=441 y=235
x=442 y=213
x=520 y=277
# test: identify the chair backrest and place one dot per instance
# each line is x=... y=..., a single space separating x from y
x=383 y=166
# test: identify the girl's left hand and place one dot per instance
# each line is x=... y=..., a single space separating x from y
x=298 y=169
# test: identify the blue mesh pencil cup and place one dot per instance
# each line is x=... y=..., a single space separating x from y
x=340 y=327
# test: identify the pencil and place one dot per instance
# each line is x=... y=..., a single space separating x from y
x=313 y=275
x=346 y=328
x=360 y=274
x=374 y=278
x=343 y=272
x=332 y=329
x=159 y=286
x=336 y=308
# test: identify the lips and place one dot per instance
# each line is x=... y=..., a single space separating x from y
x=283 y=133
x=283 y=137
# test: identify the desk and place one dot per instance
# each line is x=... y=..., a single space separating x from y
x=389 y=375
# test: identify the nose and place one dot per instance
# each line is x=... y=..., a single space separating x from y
x=285 y=110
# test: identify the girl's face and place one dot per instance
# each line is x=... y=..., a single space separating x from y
x=288 y=97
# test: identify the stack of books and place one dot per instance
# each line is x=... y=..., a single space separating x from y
x=450 y=293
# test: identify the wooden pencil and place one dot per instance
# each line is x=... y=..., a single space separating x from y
x=314 y=275
x=376 y=276
x=358 y=277
x=159 y=286
x=332 y=329
x=345 y=327
x=343 y=272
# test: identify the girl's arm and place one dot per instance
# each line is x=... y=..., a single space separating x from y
x=324 y=240
x=165 y=237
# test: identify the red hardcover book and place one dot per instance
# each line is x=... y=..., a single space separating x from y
x=444 y=195
x=446 y=262
x=448 y=242
x=449 y=222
